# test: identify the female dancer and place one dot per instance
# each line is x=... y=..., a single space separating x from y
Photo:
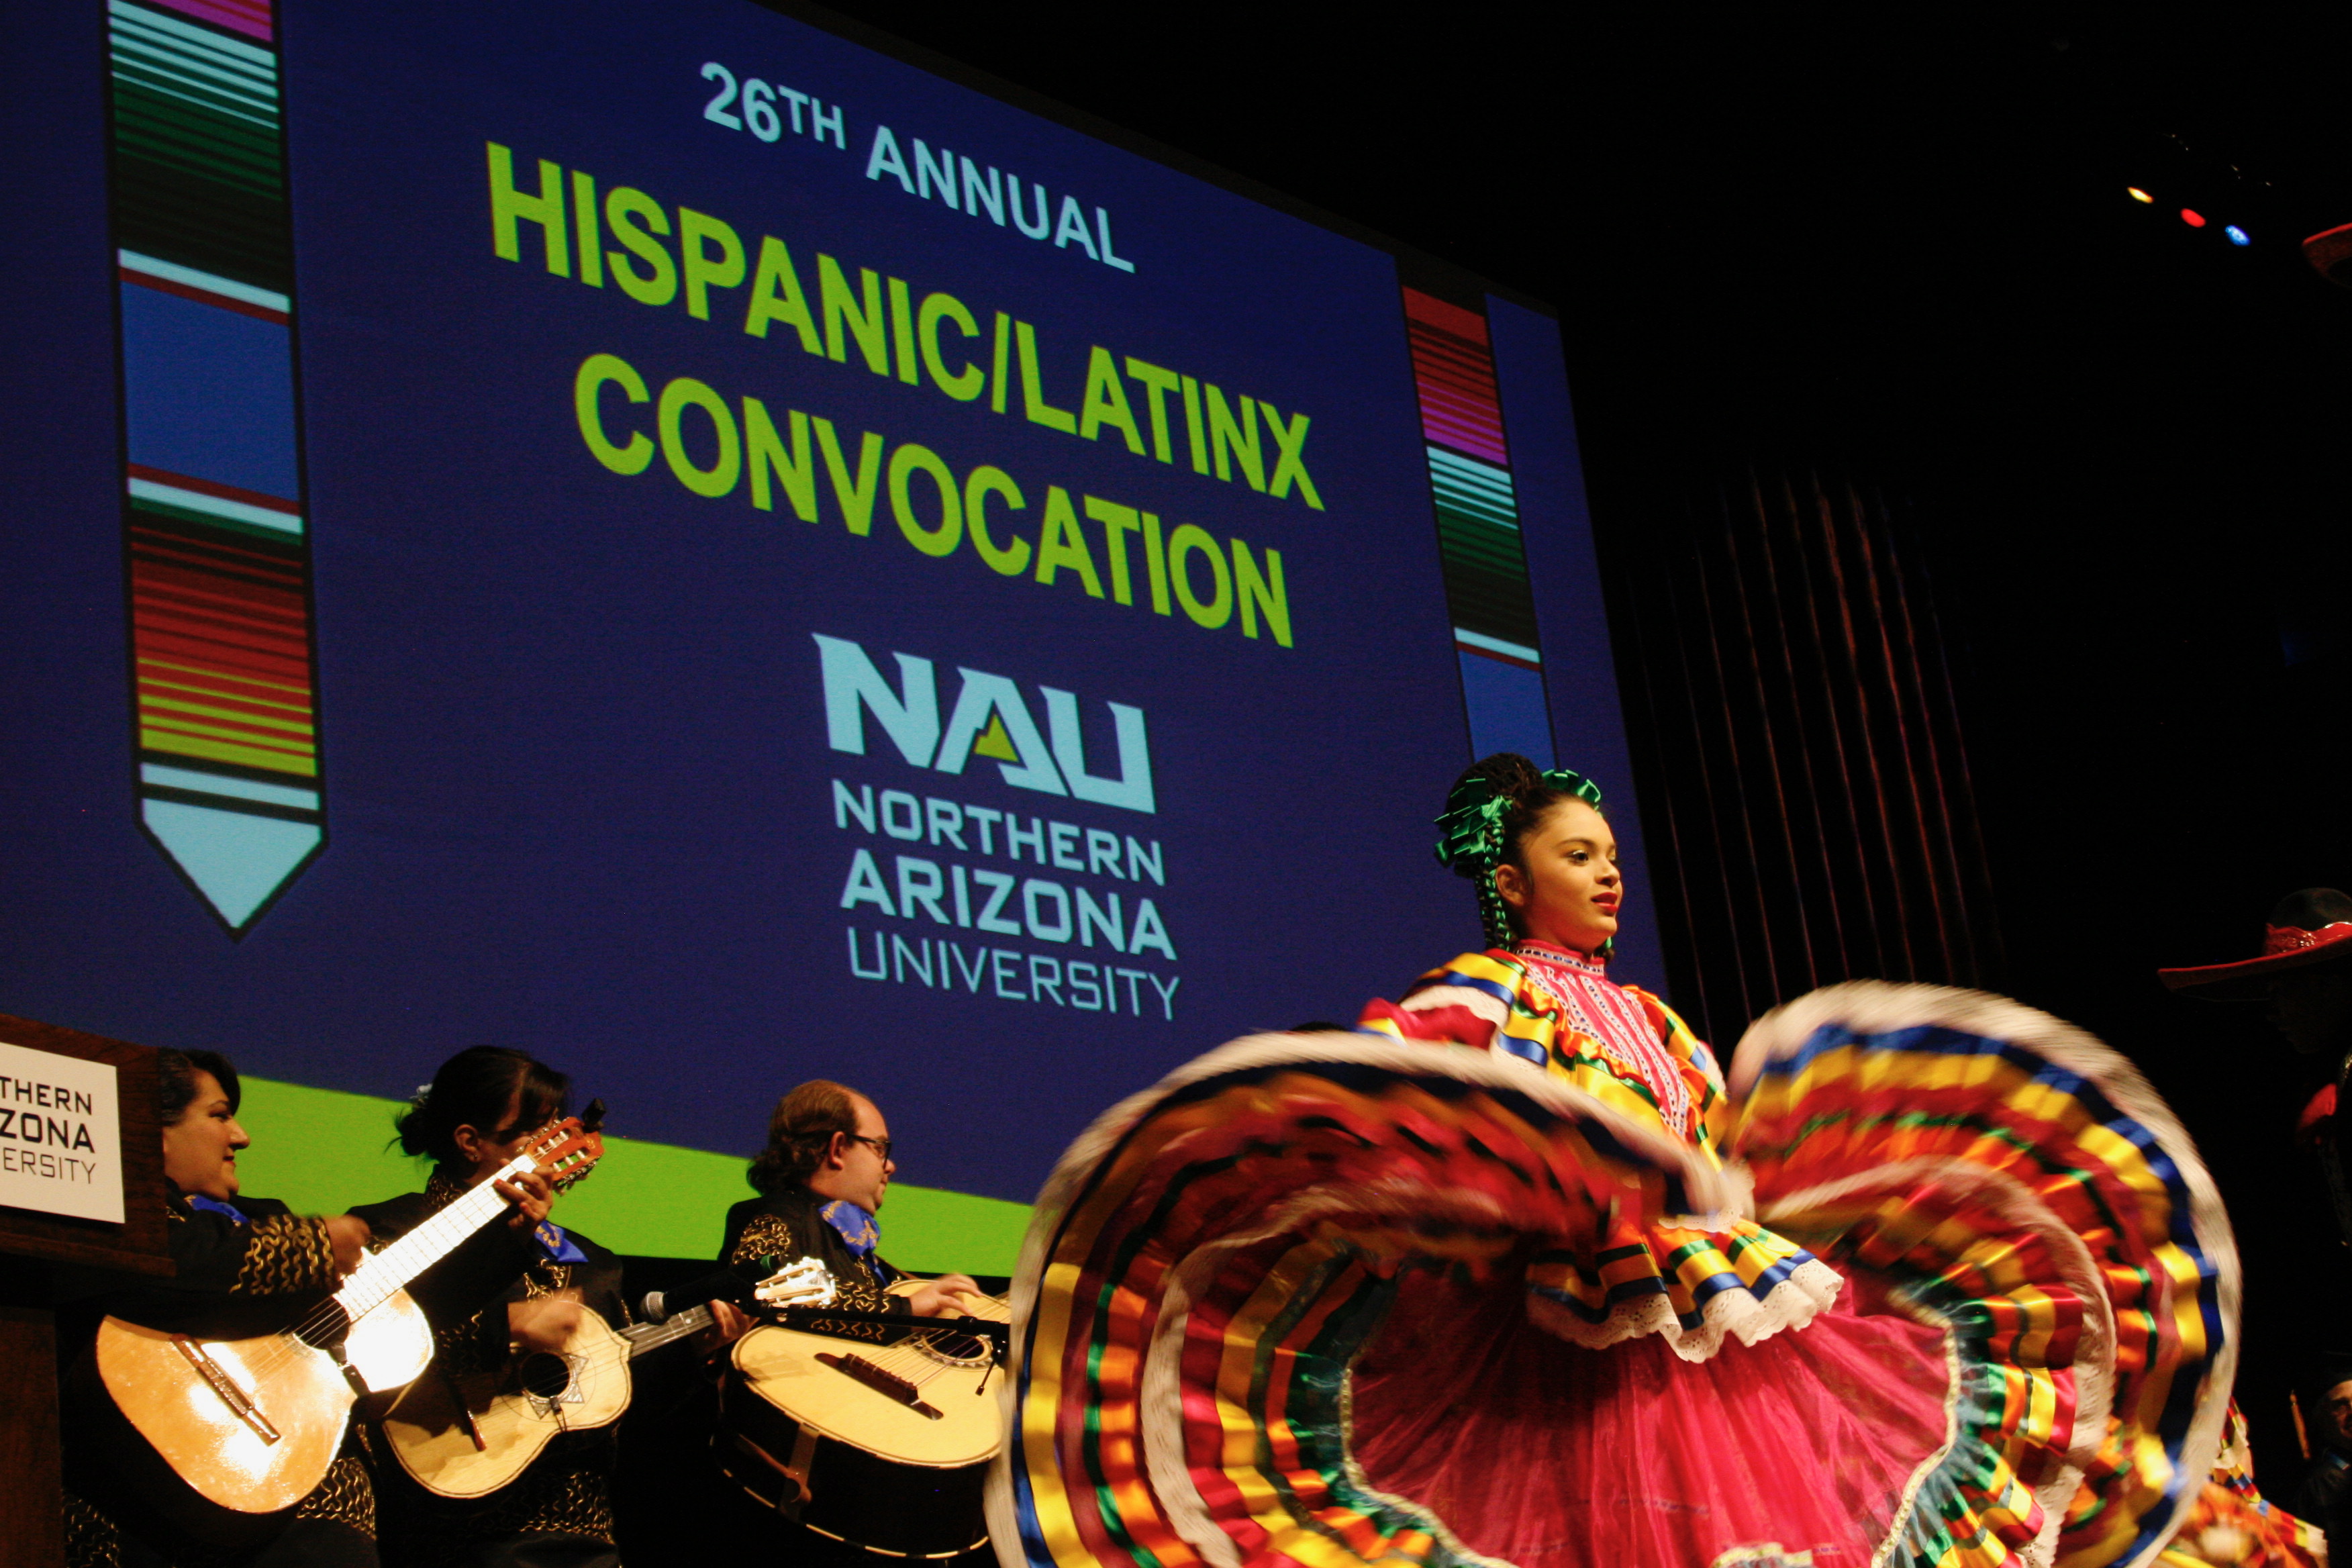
x=1512 y=1276
x=512 y=1288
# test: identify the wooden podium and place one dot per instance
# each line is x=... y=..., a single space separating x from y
x=31 y=1244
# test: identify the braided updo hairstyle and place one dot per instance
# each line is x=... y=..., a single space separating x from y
x=1490 y=809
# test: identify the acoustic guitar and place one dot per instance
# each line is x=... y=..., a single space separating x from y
x=466 y=1436
x=885 y=1447
x=249 y=1426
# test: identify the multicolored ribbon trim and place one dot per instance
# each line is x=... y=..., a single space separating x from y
x=2026 y=1188
x=224 y=673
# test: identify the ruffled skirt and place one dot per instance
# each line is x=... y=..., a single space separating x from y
x=1302 y=1302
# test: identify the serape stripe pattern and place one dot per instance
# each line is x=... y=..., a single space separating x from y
x=1485 y=565
x=216 y=543
x=2019 y=1183
x=1207 y=1261
x=1208 y=1258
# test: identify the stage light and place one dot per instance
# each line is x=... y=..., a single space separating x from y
x=2136 y=194
x=2192 y=217
x=2238 y=236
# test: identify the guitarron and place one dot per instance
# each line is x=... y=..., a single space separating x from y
x=885 y=1447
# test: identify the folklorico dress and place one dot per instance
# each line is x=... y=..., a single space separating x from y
x=1511 y=1275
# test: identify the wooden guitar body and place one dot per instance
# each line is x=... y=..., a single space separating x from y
x=465 y=1436
x=218 y=1437
x=250 y=1425
x=885 y=1447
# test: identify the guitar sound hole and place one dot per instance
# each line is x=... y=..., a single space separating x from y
x=544 y=1374
x=955 y=1349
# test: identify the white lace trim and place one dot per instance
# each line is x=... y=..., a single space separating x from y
x=1795 y=1301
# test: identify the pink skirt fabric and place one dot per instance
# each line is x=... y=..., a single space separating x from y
x=1549 y=1455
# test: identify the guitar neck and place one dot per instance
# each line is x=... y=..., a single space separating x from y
x=643 y=1337
x=375 y=1280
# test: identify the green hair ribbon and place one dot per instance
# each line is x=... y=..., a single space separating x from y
x=1471 y=839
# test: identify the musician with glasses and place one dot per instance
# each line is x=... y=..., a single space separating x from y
x=241 y=1263
x=821 y=1181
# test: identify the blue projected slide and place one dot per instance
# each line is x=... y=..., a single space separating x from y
x=668 y=538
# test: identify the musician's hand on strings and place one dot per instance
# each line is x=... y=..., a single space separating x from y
x=542 y=1323
x=945 y=1295
x=728 y=1322
x=349 y=1235
x=533 y=1197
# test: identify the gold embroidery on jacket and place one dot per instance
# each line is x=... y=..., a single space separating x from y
x=285 y=1254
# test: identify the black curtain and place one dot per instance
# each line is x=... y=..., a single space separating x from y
x=1805 y=792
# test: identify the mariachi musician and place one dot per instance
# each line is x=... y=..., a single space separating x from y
x=510 y=1290
x=821 y=1181
x=235 y=1258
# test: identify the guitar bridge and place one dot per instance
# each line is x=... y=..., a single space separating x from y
x=881 y=1380
x=219 y=1381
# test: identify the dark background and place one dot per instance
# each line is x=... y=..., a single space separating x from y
x=1803 y=238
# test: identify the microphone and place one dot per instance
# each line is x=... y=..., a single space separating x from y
x=724 y=1286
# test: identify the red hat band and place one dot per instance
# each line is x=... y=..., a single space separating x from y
x=2295 y=939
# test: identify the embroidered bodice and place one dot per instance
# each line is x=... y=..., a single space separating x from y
x=1613 y=1019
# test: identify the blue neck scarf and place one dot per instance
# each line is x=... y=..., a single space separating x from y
x=214 y=1206
x=855 y=1224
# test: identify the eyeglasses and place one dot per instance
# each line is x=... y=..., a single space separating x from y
x=881 y=1145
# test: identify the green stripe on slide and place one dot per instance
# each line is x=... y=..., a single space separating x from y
x=322 y=1152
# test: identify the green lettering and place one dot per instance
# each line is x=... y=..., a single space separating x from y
x=841 y=309
x=676 y=399
x=776 y=296
x=1118 y=522
x=508 y=205
x=658 y=287
x=704 y=271
x=1188 y=541
x=902 y=330
x=766 y=455
x=1257 y=594
x=966 y=384
x=1060 y=544
x=592 y=239
x=1157 y=384
x=1033 y=401
x=1289 y=441
x=1106 y=403
x=594 y=371
x=855 y=497
x=942 y=538
x=1011 y=560
x=1231 y=437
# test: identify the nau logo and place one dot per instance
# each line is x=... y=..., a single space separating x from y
x=988 y=718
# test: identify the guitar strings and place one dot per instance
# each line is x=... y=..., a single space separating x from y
x=384 y=1274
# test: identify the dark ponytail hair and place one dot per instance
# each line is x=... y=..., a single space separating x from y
x=1493 y=806
x=175 y=1081
x=472 y=1090
x=800 y=1131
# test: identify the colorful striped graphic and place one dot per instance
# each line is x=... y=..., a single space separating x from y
x=217 y=551
x=1487 y=594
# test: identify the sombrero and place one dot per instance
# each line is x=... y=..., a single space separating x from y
x=2312 y=927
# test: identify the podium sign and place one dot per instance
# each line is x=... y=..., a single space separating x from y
x=59 y=1135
